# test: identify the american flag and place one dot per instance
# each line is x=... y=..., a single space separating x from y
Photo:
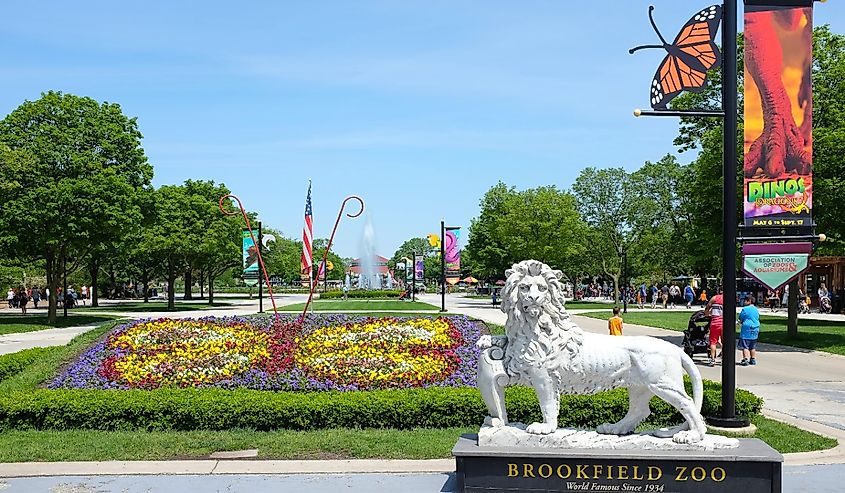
x=307 y=237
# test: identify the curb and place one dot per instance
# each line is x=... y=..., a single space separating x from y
x=211 y=467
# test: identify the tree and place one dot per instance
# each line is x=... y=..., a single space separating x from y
x=76 y=168
x=540 y=223
x=617 y=216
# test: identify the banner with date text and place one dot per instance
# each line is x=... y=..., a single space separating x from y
x=778 y=185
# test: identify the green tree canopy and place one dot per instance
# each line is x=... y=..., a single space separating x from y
x=540 y=223
x=72 y=169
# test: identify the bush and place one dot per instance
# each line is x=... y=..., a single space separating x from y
x=217 y=409
x=362 y=294
x=14 y=363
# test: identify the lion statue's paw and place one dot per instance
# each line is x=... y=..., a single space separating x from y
x=494 y=422
x=484 y=342
x=613 y=429
x=687 y=436
x=541 y=428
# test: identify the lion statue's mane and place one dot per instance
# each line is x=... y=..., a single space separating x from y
x=544 y=349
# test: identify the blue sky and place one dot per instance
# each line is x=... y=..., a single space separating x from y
x=417 y=106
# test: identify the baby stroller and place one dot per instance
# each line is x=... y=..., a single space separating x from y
x=803 y=306
x=696 y=335
x=825 y=306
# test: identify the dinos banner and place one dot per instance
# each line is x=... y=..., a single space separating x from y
x=778 y=113
x=775 y=264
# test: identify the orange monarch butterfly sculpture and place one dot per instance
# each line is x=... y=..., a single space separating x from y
x=690 y=56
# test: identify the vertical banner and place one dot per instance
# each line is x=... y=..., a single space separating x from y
x=778 y=181
x=250 y=258
x=419 y=268
x=453 y=252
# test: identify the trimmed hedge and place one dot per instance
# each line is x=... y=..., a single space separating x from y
x=14 y=363
x=217 y=409
x=362 y=294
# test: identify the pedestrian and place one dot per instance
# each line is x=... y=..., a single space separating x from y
x=84 y=290
x=674 y=294
x=689 y=295
x=345 y=291
x=614 y=325
x=715 y=311
x=654 y=295
x=10 y=297
x=641 y=296
x=36 y=296
x=749 y=331
x=664 y=292
x=703 y=298
x=785 y=301
x=22 y=299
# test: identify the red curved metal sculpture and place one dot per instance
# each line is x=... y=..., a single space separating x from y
x=329 y=246
x=255 y=242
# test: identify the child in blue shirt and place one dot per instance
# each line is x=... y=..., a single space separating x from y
x=749 y=317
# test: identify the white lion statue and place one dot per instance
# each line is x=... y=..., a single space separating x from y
x=545 y=350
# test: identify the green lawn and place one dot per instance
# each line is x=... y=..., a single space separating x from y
x=819 y=335
x=14 y=324
x=153 y=306
x=374 y=305
x=85 y=445
x=589 y=305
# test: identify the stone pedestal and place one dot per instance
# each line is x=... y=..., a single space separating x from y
x=753 y=467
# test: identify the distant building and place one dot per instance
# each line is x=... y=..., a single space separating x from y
x=386 y=276
x=379 y=264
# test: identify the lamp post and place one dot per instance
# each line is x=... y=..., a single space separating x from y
x=442 y=265
x=414 y=278
x=728 y=417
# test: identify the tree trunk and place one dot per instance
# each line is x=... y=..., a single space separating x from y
x=792 y=310
x=171 y=284
x=210 y=288
x=113 y=282
x=52 y=285
x=94 y=271
x=188 y=284
x=145 y=280
x=202 y=284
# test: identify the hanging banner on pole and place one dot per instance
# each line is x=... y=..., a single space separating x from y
x=778 y=167
x=453 y=252
x=250 y=258
x=776 y=264
x=419 y=268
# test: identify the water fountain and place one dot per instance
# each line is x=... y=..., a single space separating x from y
x=369 y=277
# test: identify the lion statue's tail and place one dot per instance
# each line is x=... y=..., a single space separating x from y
x=695 y=379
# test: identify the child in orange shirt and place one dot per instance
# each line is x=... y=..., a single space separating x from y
x=614 y=325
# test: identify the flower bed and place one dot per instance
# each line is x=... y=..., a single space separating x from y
x=331 y=352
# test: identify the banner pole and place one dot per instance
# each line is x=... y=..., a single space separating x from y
x=260 y=276
x=442 y=265
x=729 y=213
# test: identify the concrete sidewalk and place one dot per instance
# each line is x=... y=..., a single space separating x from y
x=796 y=479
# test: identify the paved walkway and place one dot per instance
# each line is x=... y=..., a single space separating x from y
x=796 y=479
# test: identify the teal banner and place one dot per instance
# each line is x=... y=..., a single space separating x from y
x=250 y=258
x=775 y=270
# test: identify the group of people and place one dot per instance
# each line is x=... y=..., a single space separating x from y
x=748 y=320
x=21 y=297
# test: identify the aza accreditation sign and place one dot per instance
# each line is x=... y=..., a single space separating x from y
x=775 y=264
x=754 y=467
